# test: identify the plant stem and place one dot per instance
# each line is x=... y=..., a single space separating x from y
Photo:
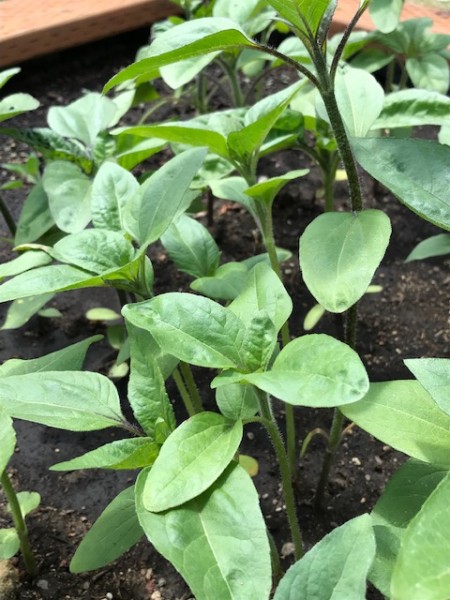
x=329 y=177
x=19 y=524
x=188 y=377
x=8 y=217
x=183 y=392
x=231 y=71
x=277 y=573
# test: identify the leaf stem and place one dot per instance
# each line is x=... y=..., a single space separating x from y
x=19 y=524
x=188 y=377
x=8 y=217
x=176 y=375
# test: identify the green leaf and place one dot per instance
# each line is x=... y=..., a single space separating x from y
x=28 y=502
x=421 y=571
x=434 y=375
x=412 y=170
x=115 y=531
x=69 y=195
x=313 y=316
x=237 y=401
x=388 y=541
x=112 y=188
x=9 y=543
x=191 y=247
x=403 y=415
x=120 y=454
x=266 y=191
x=436 y=245
x=8 y=437
x=193 y=38
x=386 y=14
x=101 y=314
x=338 y=272
x=410 y=108
x=227 y=282
x=234 y=188
x=194 y=329
x=77 y=401
x=263 y=291
x=24 y=262
x=46 y=280
x=298 y=12
x=16 y=104
x=429 y=71
x=6 y=75
x=215 y=556
x=162 y=198
x=35 y=218
x=83 y=119
x=21 y=311
x=146 y=390
x=190 y=460
x=314 y=370
x=260 y=341
x=336 y=568
x=66 y=359
x=95 y=250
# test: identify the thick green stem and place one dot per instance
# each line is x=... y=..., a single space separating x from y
x=8 y=217
x=231 y=71
x=188 y=404
x=286 y=480
x=19 y=524
x=329 y=178
x=188 y=377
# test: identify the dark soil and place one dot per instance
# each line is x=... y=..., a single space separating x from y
x=407 y=319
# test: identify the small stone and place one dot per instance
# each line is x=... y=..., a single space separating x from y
x=250 y=435
x=42 y=584
x=148 y=574
x=109 y=596
x=355 y=461
x=85 y=585
x=161 y=582
x=156 y=596
x=287 y=549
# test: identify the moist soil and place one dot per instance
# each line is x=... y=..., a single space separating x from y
x=408 y=318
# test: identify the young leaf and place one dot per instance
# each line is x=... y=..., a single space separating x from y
x=429 y=71
x=194 y=329
x=120 y=454
x=412 y=170
x=263 y=291
x=388 y=541
x=8 y=437
x=434 y=375
x=227 y=282
x=21 y=311
x=314 y=370
x=16 y=104
x=339 y=271
x=66 y=359
x=421 y=571
x=193 y=38
x=190 y=460
x=215 y=556
x=69 y=195
x=266 y=191
x=35 y=218
x=24 y=262
x=336 y=568
x=303 y=14
x=436 y=245
x=112 y=534
x=191 y=247
x=77 y=401
x=112 y=188
x=413 y=107
x=403 y=415
x=9 y=543
x=162 y=197
x=28 y=502
x=260 y=341
x=237 y=401
x=386 y=14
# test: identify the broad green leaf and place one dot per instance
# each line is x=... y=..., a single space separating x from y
x=215 y=556
x=28 y=502
x=227 y=282
x=403 y=415
x=386 y=14
x=69 y=195
x=314 y=370
x=146 y=390
x=16 y=104
x=120 y=454
x=112 y=188
x=302 y=13
x=83 y=119
x=191 y=247
x=66 y=359
x=237 y=401
x=180 y=73
x=422 y=568
x=360 y=100
x=35 y=218
x=24 y=262
x=8 y=437
x=6 y=75
x=413 y=170
x=409 y=108
x=338 y=271
x=263 y=291
x=20 y=311
x=132 y=150
x=434 y=375
x=9 y=543
x=190 y=460
x=260 y=341
x=193 y=38
x=429 y=71
x=388 y=539
x=266 y=191
x=234 y=188
x=162 y=197
x=406 y=492
x=282 y=255
x=95 y=250
x=336 y=568
x=77 y=401
x=46 y=280
x=194 y=329
x=112 y=534
x=436 y=245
